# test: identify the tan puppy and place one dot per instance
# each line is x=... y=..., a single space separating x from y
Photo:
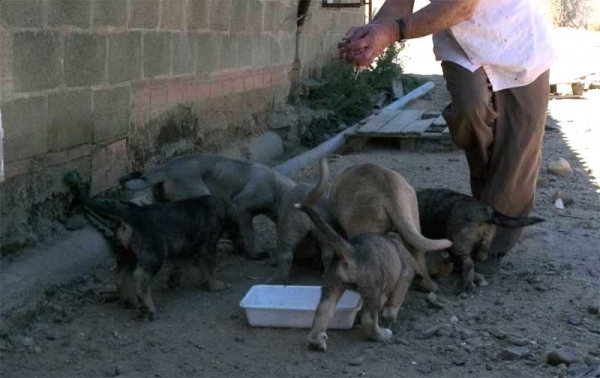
x=368 y=198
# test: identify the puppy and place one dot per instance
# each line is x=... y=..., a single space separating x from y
x=254 y=188
x=146 y=236
x=378 y=266
x=297 y=236
x=468 y=223
x=368 y=198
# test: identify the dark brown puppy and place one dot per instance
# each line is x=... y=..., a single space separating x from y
x=378 y=266
x=148 y=235
x=468 y=223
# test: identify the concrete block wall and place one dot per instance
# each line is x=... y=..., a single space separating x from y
x=110 y=86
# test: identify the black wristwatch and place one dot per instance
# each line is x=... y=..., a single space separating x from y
x=402 y=29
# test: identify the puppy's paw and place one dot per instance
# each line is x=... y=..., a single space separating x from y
x=387 y=317
x=480 y=280
x=318 y=341
x=388 y=334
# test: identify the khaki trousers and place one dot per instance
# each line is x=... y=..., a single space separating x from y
x=501 y=133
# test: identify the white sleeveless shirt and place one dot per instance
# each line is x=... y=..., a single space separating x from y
x=510 y=39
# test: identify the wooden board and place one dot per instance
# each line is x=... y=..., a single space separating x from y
x=418 y=126
x=378 y=121
x=439 y=121
x=446 y=131
x=397 y=124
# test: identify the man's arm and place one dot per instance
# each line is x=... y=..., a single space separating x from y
x=438 y=16
x=393 y=9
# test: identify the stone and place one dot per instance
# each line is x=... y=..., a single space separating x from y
x=463 y=295
x=518 y=341
x=575 y=320
x=513 y=353
x=576 y=368
x=488 y=367
x=76 y=222
x=284 y=116
x=566 y=197
x=124 y=57
x=559 y=356
x=559 y=204
x=37 y=61
x=432 y=331
x=542 y=182
x=157 y=53
x=561 y=167
x=475 y=342
x=454 y=319
x=358 y=361
x=84 y=61
x=594 y=308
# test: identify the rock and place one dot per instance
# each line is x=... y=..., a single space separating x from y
x=113 y=373
x=518 y=341
x=542 y=182
x=469 y=348
x=575 y=320
x=443 y=332
x=432 y=301
x=559 y=356
x=358 y=361
x=589 y=361
x=5 y=346
x=459 y=361
x=475 y=342
x=513 y=353
x=454 y=319
x=37 y=349
x=594 y=308
x=239 y=339
x=401 y=341
x=285 y=116
x=451 y=349
x=463 y=296
x=561 y=167
x=27 y=341
x=562 y=367
x=466 y=334
x=433 y=330
x=75 y=222
x=559 y=204
x=594 y=352
x=576 y=368
x=566 y=197
x=488 y=367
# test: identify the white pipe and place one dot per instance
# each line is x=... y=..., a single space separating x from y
x=335 y=143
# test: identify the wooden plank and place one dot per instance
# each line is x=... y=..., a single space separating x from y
x=418 y=126
x=399 y=123
x=378 y=121
x=446 y=131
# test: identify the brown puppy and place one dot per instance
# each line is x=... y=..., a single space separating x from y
x=379 y=267
x=297 y=236
x=470 y=224
x=368 y=198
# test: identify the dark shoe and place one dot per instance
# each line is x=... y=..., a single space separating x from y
x=490 y=266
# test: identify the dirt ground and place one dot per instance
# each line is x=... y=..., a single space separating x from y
x=538 y=302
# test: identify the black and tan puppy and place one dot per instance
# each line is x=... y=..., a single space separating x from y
x=378 y=266
x=254 y=188
x=148 y=235
x=297 y=236
x=468 y=223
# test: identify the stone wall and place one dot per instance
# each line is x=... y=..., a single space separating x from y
x=110 y=86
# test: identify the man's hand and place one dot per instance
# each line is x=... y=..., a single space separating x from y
x=361 y=45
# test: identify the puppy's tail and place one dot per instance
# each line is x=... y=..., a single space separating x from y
x=146 y=181
x=313 y=197
x=505 y=221
x=341 y=247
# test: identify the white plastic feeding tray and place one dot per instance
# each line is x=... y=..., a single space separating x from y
x=295 y=306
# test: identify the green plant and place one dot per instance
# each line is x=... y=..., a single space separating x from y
x=349 y=94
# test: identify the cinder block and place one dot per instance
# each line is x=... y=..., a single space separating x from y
x=69 y=119
x=84 y=59
x=157 y=53
x=109 y=13
x=208 y=49
x=108 y=164
x=288 y=48
x=144 y=13
x=171 y=14
x=69 y=13
x=260 y=50
x=183 y=53
x=21 y=13
x=274 y=51
x=245 y=50
x=197 y=14
x=25 y=126
x=238 y=15
x=271 y=16
x=124 y=57
x=228 y=53
x=219 y=15
x=111 y=113
x=288 y=18
x=254 y=20
x=36 y=61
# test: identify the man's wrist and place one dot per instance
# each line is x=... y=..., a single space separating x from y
x=401 y=29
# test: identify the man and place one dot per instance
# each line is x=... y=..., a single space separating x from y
x=495 y=56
